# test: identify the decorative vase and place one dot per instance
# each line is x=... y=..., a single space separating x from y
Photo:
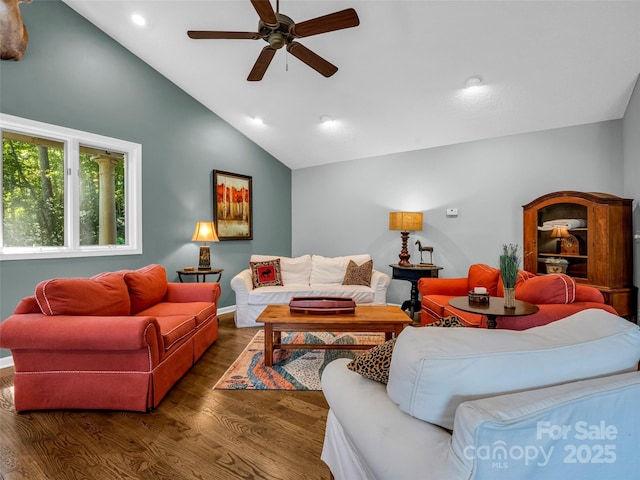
x=509 y=298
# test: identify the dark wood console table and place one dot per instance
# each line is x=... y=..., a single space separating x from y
x=200 y=273
x=413 y=273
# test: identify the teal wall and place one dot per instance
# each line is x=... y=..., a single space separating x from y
x=75 y=76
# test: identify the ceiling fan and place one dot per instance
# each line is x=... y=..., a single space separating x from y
x=278 y=31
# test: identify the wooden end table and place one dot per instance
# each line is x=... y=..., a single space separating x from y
x=494 y=309
x=413 y=273
x=366 y=318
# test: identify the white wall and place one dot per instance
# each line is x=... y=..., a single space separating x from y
x=343 y=208
x=631 y=142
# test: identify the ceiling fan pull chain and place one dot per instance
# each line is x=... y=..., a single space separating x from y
x=286 y=60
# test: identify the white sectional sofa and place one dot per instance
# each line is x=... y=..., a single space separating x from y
x=554 y=402
x=309 y=275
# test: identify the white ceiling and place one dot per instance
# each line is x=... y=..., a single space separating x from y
x=399 y=87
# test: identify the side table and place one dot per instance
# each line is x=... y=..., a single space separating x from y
x=413 y=273
x=197 y=273
x=494 y=309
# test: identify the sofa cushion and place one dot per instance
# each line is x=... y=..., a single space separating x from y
x=481 y=275
x=266 y=274
x=200 y=310
x=374 y=363
x=435 y=305
x=105 y=294
x=147 y=286
x=175 y=328
x=433 y=370
x=293 y=270
x=332 y=269
x=358 y=274
x=552 y=288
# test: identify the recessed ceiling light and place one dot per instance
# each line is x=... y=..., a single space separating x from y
x=257 y=120
x=326 y=119
x=474 y=82
x=139 y=20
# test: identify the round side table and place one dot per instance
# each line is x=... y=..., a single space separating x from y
x=494 y=309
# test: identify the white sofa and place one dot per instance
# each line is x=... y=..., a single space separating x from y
x=558 y=401
x=309 y=275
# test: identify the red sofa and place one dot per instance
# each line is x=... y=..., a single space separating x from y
x=115 y=341
x=557 y=296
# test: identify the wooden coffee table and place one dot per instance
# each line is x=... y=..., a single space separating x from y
x=494 y=309
x=372 y=318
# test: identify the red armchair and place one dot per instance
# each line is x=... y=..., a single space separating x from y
x=557 y=296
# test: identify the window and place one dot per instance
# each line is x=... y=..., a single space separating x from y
x=67 y=193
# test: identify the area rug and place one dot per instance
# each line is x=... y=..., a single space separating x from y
x=292 y=369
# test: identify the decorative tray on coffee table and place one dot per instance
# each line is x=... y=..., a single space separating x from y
x=322 y=305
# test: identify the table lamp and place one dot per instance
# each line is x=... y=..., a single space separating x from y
x=405 y=222
x=567 y=243
x=204 y=232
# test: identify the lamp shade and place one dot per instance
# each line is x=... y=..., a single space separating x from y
x=405 y=221
x=204 y=232
x=560 y=232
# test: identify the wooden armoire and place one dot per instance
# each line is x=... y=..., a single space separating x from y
x=595 y=238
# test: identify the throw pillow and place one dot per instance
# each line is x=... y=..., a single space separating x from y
x=147 y=286
x=481 y=275
x=451 y=321
x=358 y=274
x=104 y=294
x=552 y=288
x=374 y=364
x=266 y=274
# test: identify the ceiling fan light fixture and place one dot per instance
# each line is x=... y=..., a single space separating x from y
x=474 y=82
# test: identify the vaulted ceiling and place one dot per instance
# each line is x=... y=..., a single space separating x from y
x=402 y=71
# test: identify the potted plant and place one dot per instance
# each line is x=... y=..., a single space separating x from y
x=509 y=266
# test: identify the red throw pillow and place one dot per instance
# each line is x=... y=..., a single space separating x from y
x=266 y=274
x=481 y=275
x=147 y=286
x=522 y=276
x=105 y=294
x=552 y=288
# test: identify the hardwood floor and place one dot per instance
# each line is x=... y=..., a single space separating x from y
x=195 y=433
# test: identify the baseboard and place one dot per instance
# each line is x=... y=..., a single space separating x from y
x=6 y=362
x=229 y=309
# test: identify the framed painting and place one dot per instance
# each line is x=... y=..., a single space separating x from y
x=232 y=206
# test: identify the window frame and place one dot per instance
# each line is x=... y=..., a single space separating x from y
x=72 y=140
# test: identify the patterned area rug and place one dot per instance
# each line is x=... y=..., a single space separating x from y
x=292 y=369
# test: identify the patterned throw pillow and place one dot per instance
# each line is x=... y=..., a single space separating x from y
x=358 y=274
x=374 y=364
x=266 y=274
x=451 y=321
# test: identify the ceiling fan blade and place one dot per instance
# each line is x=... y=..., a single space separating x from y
x=208 y=35
x=328 y=23
x=315 y=61
x=261 y=65
x=265 y=12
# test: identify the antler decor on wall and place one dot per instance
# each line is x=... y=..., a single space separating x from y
x=13 y=33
